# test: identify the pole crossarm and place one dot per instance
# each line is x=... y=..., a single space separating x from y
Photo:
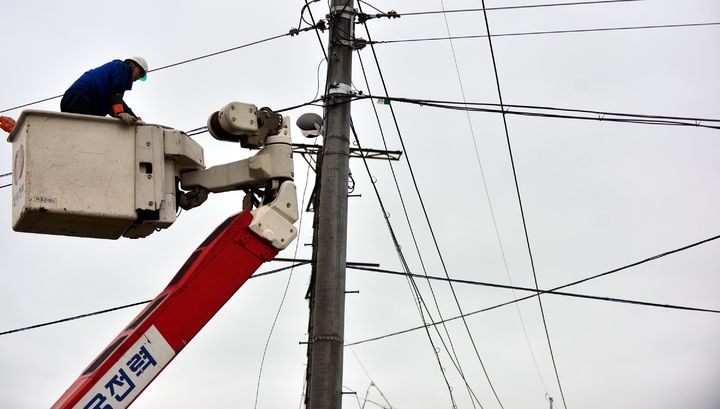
x=306 y=149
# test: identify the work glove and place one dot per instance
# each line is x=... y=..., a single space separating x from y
x=127 y=118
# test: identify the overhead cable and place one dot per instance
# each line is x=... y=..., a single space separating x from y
x=417 y=294
x=372 y=381
x=427 y=219
x=533 y=33
x=105 y=311
x=452 y=354
x=539 y=292
x=520 y=203
x=584 y=280
x=556 y=113
x=487 y=196
x=291 y=33
x=420 y=302
x=393 y=14
x=365 y=399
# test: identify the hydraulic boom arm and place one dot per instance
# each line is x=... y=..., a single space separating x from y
x=207 y=280
x=214 y=271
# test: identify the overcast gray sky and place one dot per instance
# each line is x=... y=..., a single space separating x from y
x=596 y=196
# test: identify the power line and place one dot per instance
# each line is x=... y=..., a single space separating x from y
x=523 y=110
x=31 y=103
x=470 y=10
x=487 y=193
x=519 y=197
x=591 y=115
x=264 y=40
x=372 y=381
x=533 y=33
x=257 y=275
x=557 y=113
x=414 y=288
x=105 y=311
x=291 y=33
x=540 y=292
x=584 y=280
x=74 y=317
x=370 y=5
x=411 y=282
x=427 y=219
x=365 y=399
x=601 y=114
x=417 y=294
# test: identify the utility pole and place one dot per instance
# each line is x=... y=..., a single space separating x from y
x=327 y=305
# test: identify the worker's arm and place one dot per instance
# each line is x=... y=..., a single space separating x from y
x=128 y=110
x=121 y=81
x=120 y=109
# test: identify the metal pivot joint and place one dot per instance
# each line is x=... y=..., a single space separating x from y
x=269 y=173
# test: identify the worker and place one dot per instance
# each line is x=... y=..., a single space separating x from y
x=100 y=91
x=7 y=124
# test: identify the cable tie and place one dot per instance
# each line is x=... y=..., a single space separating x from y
x=293 y=32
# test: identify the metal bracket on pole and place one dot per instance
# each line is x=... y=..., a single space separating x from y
x=341 y=89
x=327 y=338
x=342 y=11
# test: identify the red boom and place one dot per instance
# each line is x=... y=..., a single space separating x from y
x=207 y=280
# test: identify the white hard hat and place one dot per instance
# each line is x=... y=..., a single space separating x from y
x=142 y=63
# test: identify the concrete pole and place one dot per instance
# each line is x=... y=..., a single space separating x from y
x=327 y=315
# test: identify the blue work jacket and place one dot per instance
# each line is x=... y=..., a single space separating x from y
x=105 y=85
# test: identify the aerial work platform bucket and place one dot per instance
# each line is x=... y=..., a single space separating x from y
x=88 y=176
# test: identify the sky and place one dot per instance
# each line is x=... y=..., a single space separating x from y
x=595 y=196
